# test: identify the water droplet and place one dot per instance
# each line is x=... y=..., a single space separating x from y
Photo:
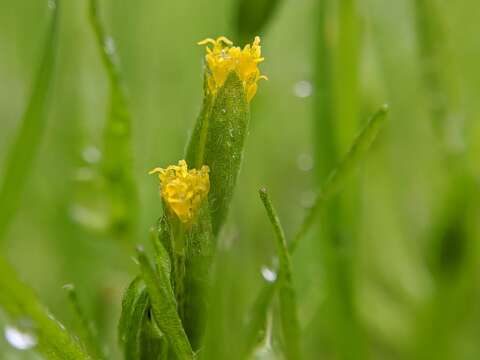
x=84 y=174
x=68 y=287
x=307 y=199
x=91 y=154
x=268 y=274
x=89 y=217
x=21 y=340
x=224 y=111
x=109 y=45
x=51 y=4
x=230 y=132
x=303 y=89
x=305 y=162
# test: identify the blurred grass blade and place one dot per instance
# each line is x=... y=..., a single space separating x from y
x=334 y=182
x=288 y=301
x=87 y=329
x=20 y=159
x=164 y=307
x=252 y=16
x=256 y=328
x=117 y=163
x=21 y=304
x=341 y=173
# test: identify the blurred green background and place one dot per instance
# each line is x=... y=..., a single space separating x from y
x=406 y=230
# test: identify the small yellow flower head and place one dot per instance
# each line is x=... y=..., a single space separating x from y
x=183 y=190
x=223 y=57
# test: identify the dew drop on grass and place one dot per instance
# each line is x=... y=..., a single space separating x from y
x=109 y=46
x=21 y=340
x=307 y=199
x=268 y=274
x=224 y=111
x=91 y=154
x=51 y=4
x=303 y=89
x=305 y=162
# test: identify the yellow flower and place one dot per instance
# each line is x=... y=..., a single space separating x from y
x=183 y=190
x=223 y=57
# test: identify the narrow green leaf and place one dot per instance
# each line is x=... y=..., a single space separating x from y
x=21 y=156
x=218 y=142
x=341 y=173
x=87 y=329
x=21 y=304
x=130 y=297
x=288 y=301
x=333 y=184
x=252 y=16
x=164 y=307
x=117 y=163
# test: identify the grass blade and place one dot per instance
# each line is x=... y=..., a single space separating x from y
x=333 y=184
x=338 y=176
x=288 y=301
x=164 y=307
x=20 y=303
x=117 y=164
x=22 y=154
x=87 y=329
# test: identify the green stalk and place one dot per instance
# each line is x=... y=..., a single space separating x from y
x=338 y=112
x=117 y=164
x=288 y=300
x=20 y=159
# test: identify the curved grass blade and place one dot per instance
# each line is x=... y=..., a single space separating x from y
x=163 y=305
x=252 y=16
x=288 y=301
x=88 y=331
x=23 y=151
x=341 y=173
x=117 y=164
x=332 y=185
x=20 y=303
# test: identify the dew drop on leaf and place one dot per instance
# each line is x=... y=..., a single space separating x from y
x=21 y=340
x=268 y=274
x=303 y=89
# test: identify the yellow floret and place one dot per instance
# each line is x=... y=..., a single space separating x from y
x=222 y=58
x=183 y=190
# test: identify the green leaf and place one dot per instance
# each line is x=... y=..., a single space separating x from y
x=21 y=156
x=164 y=307
x=117 y=163
x=134 y=305
x=252 y=16
x=21 y=304
x=218 y=141
x=87 y=329
x=288 y=301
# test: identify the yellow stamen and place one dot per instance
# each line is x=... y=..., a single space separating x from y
x=222 y=58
